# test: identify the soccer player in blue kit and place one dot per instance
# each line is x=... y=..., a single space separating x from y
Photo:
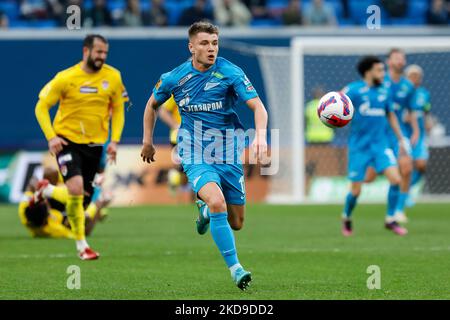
x=402 y=93
x=206 y=89
x=414 y=73
x=368 y=143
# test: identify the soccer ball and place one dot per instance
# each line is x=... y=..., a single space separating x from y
x=335 y=109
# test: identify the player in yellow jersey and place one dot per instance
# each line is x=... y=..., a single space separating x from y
x=85 y=92
x=42 y=208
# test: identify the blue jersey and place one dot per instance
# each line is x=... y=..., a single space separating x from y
x=207 y=103
x=402 y=95
x=422 y=105
x=369 y=123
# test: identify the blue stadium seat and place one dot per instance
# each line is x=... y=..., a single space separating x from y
x=116 y=5
x=10 y=8
x=265 y=23
x=88 y=4
x=145 y=5
x=358 y=10
x=174 y=10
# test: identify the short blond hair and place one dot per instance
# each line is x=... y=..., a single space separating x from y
x=414 y=68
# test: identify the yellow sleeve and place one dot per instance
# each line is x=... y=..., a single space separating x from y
x=23 y=205
x=118 y=112
x=48 y=97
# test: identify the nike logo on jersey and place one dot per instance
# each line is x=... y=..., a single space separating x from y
x=186 y=90
x=210 y=85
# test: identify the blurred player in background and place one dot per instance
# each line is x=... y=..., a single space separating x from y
x=423 y=106
x=207 y=89
x=402 y=94
x=170 y=115
x=85 y=92
x=402 y=91
x=42 y=208
x=368 y=143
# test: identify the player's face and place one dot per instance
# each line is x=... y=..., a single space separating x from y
x=397 y=62
x=415 y=78
x=96 y=57
x=377 y=73
x=204 y=48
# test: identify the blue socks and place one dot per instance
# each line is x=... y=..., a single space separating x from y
x=224 y=238
x=350 y=203
x=402 y=196
x=393 y=196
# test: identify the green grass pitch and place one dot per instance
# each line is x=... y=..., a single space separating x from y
x=294 y=252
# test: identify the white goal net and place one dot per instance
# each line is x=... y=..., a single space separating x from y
x=316 y=172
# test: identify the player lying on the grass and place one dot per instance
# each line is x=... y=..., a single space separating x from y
x=206 y=89
x=368 y=143
x=402 y=94
x=414 y=73
x=42 y=209
x=86 y=92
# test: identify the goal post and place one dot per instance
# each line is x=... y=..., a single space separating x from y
x=289 y=75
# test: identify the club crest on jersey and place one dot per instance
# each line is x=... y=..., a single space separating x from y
x=210 y=85
x=85 y=89
x=105 y=84
x=185 y=79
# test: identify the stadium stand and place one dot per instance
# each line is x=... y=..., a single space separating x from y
x=416 y=13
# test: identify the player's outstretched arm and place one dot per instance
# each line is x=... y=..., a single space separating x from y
x=259 y=145
x=393 y=122
x=150 y=115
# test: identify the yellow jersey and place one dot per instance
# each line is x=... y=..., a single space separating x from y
x=171 y=106
x=53 y=228
x=85 y=100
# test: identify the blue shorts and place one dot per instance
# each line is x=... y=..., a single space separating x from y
x=229 y=178
x=394 y=145
x=360 y=160
x=420 y=150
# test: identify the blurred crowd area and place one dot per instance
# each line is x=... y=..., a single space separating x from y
x=238 y=13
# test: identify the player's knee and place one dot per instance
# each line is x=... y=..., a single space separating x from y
x=75 y=186
x=421 y=166
x=237 y=223
x=395 y=179
x=356 y=189
x=217 y=203
x=406 y=166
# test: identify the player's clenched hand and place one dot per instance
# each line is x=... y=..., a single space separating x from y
x=148 y=153
x=259 y=147
x=112 y=152
x=55 y=145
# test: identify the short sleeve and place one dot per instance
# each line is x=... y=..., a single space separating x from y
x=243 y=87
x=162 y=89
x=52 y=91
